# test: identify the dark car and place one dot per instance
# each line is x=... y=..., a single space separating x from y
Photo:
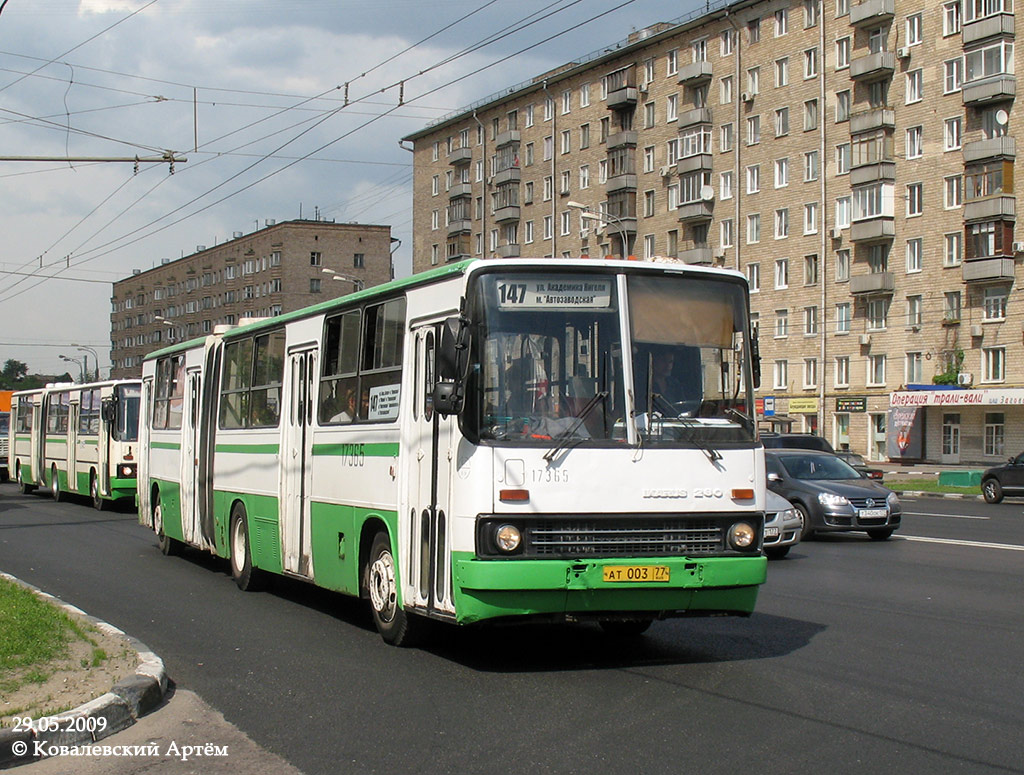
x=1007 y=479
x=860 y=465
x=830 y=495
x=795 y=441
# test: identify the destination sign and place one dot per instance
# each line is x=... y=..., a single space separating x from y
x=533 y=293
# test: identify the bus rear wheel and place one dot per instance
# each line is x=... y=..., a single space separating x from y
x=394 y=625
x=55 y=485
x=23 y=487
x=248 y=578
x=94 y=492
x=625 y=628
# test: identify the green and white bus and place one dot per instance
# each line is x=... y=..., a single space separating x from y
x=80 y=439
x=479 y=442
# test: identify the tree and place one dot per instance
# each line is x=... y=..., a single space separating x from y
x=12 y=373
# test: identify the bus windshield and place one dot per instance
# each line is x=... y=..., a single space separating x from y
x=548 y=360
x=127 y=426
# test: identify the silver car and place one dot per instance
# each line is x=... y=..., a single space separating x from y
x=782 y=526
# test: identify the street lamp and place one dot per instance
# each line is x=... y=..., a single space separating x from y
x=357 y=284
x=606 y=218
x=95 y=355
x=81 y=366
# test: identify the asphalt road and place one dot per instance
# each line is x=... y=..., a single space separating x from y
x=868 y=657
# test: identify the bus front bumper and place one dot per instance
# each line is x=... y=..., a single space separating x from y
x=576 y=589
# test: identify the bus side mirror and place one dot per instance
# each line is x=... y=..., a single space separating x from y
x=452 y=366
x=755 y=358
x=108 y=410
x=448 y=398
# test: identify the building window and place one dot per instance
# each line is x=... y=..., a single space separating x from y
x=811 y=269
x=995 y=429
x=951 y=18
x=914 y=310
x=914 y=86
x=781 y=122
x=753 y=178
x=913 y=369
x=878 y=313
x=810 y=372
x=843 y=318
x=314 y=287
x=842 y=265
x=842 y=158
x=843 y=371
x=876 y=370
x=952 y=75
x=811 y=63
x=914 y=29
x=753 y=130
x=359 y=260
x=753 y=228
x=725 y=90
x=951 y=306
x=725 y=185
x=753 y=30
x=952 y=188
x=728 y=42
x=781 y=223
x=725 y=138
x=754 y=277
x=782 y=71
x=915 y=199
x=810 y=115
x=781 y=173
x=914 y=145
x=781 y=375
x=781 y=273
x=781 y=22
x=842 y=106
x=843 y=53
x=726 y=234
x=993 y=364
x=316 y=259
x=843 y=209
x=914 y=251
x=811 y=218
x=953 y=249
x=754 y=80
x=810 y=166
x=991 y=60
x=995 y=303
x=672 y=62
x=810 y=321
x=952 y=133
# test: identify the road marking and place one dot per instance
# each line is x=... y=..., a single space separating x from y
x=951 y=516
x=954 y=542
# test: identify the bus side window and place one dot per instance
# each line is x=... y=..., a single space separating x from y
x=338 y=381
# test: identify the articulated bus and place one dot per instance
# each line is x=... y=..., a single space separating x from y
x=80 y=439
x=490 y=440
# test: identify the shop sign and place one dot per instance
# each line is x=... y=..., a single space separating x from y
x=984 y=397
x=852 y=404
x=904 y=437
x=803 y=405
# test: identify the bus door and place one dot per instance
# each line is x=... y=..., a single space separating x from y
x=431 y=460
x=142 y=493
x=297 y=461
x=39 y=424
x=74 y=406
x=190 y=522
x=103 y=445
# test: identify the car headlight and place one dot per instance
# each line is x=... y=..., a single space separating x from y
x=788 y=515
x=507 y=538
x=742 y=536
x=832 y=501
x=893 y=500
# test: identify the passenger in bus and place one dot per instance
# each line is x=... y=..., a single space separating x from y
x=348 y=412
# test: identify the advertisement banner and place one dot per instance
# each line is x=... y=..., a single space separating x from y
x=904 y=438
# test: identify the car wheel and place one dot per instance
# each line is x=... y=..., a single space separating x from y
x=806 y=531
x=880 y=533
x=992 y=490
x=777 y=552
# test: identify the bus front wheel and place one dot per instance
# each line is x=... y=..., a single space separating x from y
x=94 y=493
x=248 y=578
x=168 y=546
x=394 y=625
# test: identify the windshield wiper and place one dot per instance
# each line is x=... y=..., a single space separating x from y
x=690 y=425
x=562 y=440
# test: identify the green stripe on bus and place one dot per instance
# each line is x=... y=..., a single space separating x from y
x=369 y=450
x=249 y=449
x=55 y=440
x=164 y=445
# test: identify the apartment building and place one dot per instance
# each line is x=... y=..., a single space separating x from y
x=276 y=269
x=854 y=161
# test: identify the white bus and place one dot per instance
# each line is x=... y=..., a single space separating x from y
x=489 y=440
x=80 y=439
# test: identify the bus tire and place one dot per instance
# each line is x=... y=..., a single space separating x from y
x=94 y=492
x=248 y=578
x=168 y=546
x=23 y=487
x=394 y=625
x=55 y=485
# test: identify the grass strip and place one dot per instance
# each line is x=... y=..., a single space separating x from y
x=33 y=633
x=928 y=485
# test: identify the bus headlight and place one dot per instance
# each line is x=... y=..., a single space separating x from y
x=742 y=536
x=507 y=538
x=126 y=471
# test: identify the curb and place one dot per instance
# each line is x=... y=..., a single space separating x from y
x=126 y=701
x=951 y=495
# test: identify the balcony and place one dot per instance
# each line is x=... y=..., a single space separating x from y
x=460 y=156
x=873 y=67
x=696 y=211
x=993 y=208
x=989 y=27
x=460 y=190
x=510 y=175
x=624 y=182
x=871 y=230
x=872 y=12
x=873 y=173
x=696 y=116
x=873 y=119
x=988 y=269
x=695 y=163
x=876 y=282
x=507 y=251
x=460 y=226
x=997 y=88
x=699 y=254
x=624 y=97
x=507 y=138
x=996 y=148
x=623 y=139
x=507 y=213
x=695 y=74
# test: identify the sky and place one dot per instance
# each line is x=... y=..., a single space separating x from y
x=250 y=96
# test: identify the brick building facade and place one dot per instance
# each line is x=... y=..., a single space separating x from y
x=280 y=268
x=854 y=161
